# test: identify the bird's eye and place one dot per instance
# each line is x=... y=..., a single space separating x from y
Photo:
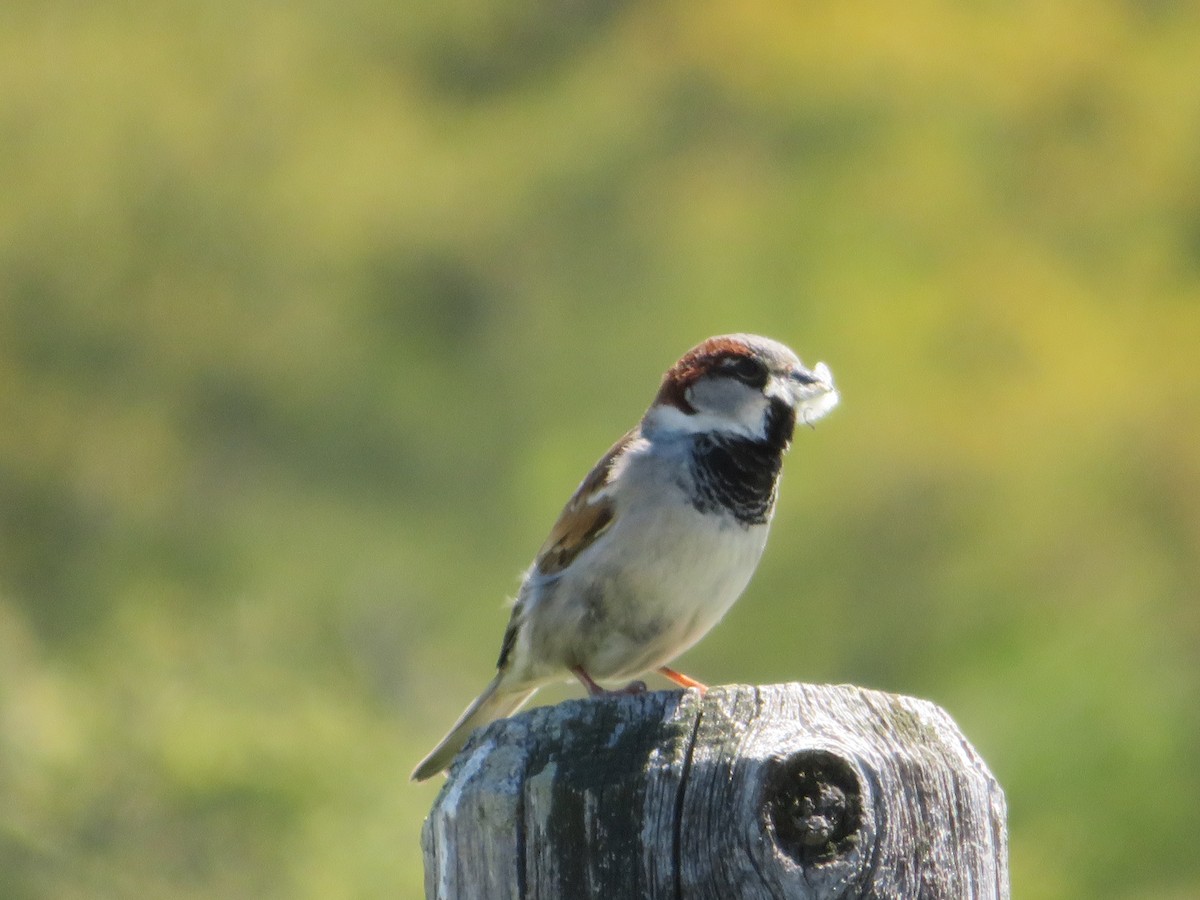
x=747 y=369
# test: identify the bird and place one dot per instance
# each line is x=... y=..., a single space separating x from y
x=661 y=537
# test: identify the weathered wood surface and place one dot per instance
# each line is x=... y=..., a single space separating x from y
x=783 y=791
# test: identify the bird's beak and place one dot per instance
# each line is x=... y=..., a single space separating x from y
x=814 y=392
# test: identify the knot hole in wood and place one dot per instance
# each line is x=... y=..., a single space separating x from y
x=812 y=801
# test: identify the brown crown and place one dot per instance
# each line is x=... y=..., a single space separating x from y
x=692 y=365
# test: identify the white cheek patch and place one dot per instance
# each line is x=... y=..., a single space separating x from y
x=726 y=404
x=663 y=420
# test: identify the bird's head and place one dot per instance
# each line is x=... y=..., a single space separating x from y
x=740 y=385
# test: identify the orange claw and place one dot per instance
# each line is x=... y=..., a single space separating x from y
x=682 y=680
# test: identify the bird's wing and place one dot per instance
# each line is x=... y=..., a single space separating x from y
x=588 y=514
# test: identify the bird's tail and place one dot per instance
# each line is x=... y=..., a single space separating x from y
x=494 y=703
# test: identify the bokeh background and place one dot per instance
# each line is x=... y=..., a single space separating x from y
x=313 y=314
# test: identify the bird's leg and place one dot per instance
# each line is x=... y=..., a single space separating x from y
x=682 y=680
x=585 y=679
x=634 y=687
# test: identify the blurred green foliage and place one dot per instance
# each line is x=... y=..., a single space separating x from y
x=312 y=315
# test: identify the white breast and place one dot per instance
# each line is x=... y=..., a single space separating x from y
x=652 y=586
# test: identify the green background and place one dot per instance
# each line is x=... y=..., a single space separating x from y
x=313 y=314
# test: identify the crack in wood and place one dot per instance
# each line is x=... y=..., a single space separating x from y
x=684 y=775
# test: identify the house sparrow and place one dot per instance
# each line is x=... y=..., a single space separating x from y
x=663 y=534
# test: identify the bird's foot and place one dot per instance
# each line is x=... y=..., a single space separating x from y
x=683 y=680
x=595 y=690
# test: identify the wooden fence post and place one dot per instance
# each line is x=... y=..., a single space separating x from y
x=781 y=791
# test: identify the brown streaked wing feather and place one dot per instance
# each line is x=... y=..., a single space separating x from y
x=584 y=518
x=510 y=634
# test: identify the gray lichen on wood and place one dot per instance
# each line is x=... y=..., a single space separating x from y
x=804 y=791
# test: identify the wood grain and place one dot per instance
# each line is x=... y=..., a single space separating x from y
x=783 y=791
